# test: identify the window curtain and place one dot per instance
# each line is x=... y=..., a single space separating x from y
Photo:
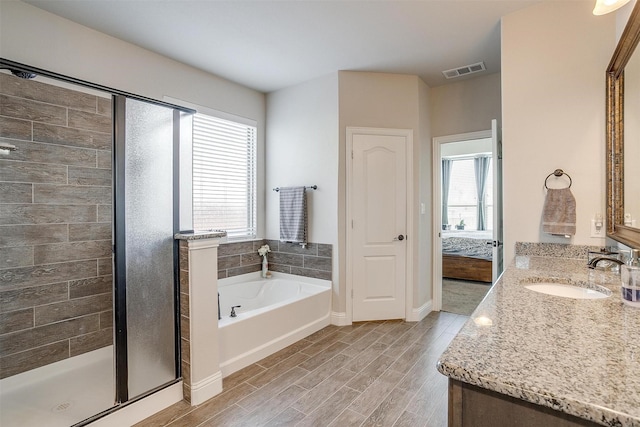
x=446 y=178
x=481 y=166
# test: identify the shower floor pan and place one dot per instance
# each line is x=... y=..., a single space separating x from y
x=60 y=394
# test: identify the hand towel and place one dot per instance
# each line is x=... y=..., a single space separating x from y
x=559 y=213
x=293 y=215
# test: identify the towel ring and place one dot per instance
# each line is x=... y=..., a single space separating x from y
x=557 y=173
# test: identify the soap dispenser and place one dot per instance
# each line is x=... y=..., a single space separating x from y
x=630 y=275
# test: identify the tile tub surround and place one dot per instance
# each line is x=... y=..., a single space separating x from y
x=185 y=320
x=238 y=258
x=579 y=357
x=200 y=363
x=185 y=313
x=55 y=224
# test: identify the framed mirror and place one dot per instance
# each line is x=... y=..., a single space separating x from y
x=623 y=137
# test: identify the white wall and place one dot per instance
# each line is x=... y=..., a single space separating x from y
x=302 y=149
x=382 y=100
x=306 y=145
x=424 y=257
x=37 y=38
x=554 y=55
x=465 y=148
x=465 y=106
x=622 y=17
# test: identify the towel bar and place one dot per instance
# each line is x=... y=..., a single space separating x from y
x=312 y=187
x=557 y=173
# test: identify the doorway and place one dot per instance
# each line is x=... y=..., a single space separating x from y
x=379 y=194
x=467 y=219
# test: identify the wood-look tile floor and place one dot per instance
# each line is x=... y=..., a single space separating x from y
x=367 y=374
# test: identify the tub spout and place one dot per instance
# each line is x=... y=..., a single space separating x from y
x=233 y=310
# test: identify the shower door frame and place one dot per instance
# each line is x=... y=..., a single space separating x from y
x=119 y=253
x=121 y=385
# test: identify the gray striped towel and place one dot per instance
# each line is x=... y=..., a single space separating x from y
x=293 y=215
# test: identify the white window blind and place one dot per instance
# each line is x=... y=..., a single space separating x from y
x=224 y=176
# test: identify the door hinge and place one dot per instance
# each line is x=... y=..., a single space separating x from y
x=351 y=293
x=352 y=154
x=351 y=223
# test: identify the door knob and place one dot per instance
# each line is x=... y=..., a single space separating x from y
x=400 y=237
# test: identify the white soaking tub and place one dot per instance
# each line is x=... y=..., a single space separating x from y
x=274 y=313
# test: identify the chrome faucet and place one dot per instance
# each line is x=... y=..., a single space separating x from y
x=233 y=310
x=595 y=261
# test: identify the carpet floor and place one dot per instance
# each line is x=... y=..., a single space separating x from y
x=462 y=297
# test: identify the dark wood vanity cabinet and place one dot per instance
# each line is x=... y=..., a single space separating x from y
x=471 y=406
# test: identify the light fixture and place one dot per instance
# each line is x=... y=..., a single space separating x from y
x=606 y=6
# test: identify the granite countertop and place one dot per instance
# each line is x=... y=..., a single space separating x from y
x=581 y=357
x=191 y=235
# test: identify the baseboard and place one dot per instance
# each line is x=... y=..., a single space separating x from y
x=417 y=314
x=339 y=319
x=207 y=388
x=144 y=408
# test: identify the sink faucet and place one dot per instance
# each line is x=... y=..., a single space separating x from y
x=595 y=261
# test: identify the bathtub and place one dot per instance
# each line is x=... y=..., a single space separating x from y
x=274 y=313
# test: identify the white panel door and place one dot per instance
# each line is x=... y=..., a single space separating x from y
x=379 y=223
x=498 y=248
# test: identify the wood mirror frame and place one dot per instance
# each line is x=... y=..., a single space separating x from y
x=616 y=229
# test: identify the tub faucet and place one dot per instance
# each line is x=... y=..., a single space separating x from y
x=595 y=261
x=233 y=310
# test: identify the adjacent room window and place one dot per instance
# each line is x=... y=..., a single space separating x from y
x=224 y=176
x=463 y=195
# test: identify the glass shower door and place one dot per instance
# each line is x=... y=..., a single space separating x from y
x=88 y=213
x=146 y=220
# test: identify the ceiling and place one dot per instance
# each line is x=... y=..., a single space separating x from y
x=268 y=45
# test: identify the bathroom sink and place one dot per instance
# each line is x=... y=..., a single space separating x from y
x=569 y=291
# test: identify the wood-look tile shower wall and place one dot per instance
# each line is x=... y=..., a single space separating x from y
x=55 y=224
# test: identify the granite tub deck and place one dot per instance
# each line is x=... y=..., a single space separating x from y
x=580 y=357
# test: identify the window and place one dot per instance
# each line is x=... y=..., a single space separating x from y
x=463 y=195
x=224 y=176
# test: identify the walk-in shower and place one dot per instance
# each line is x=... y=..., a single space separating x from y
x=88 y=210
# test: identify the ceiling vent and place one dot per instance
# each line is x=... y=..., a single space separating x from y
x=463 y=71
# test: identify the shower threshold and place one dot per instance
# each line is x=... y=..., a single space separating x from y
x=60 y=394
